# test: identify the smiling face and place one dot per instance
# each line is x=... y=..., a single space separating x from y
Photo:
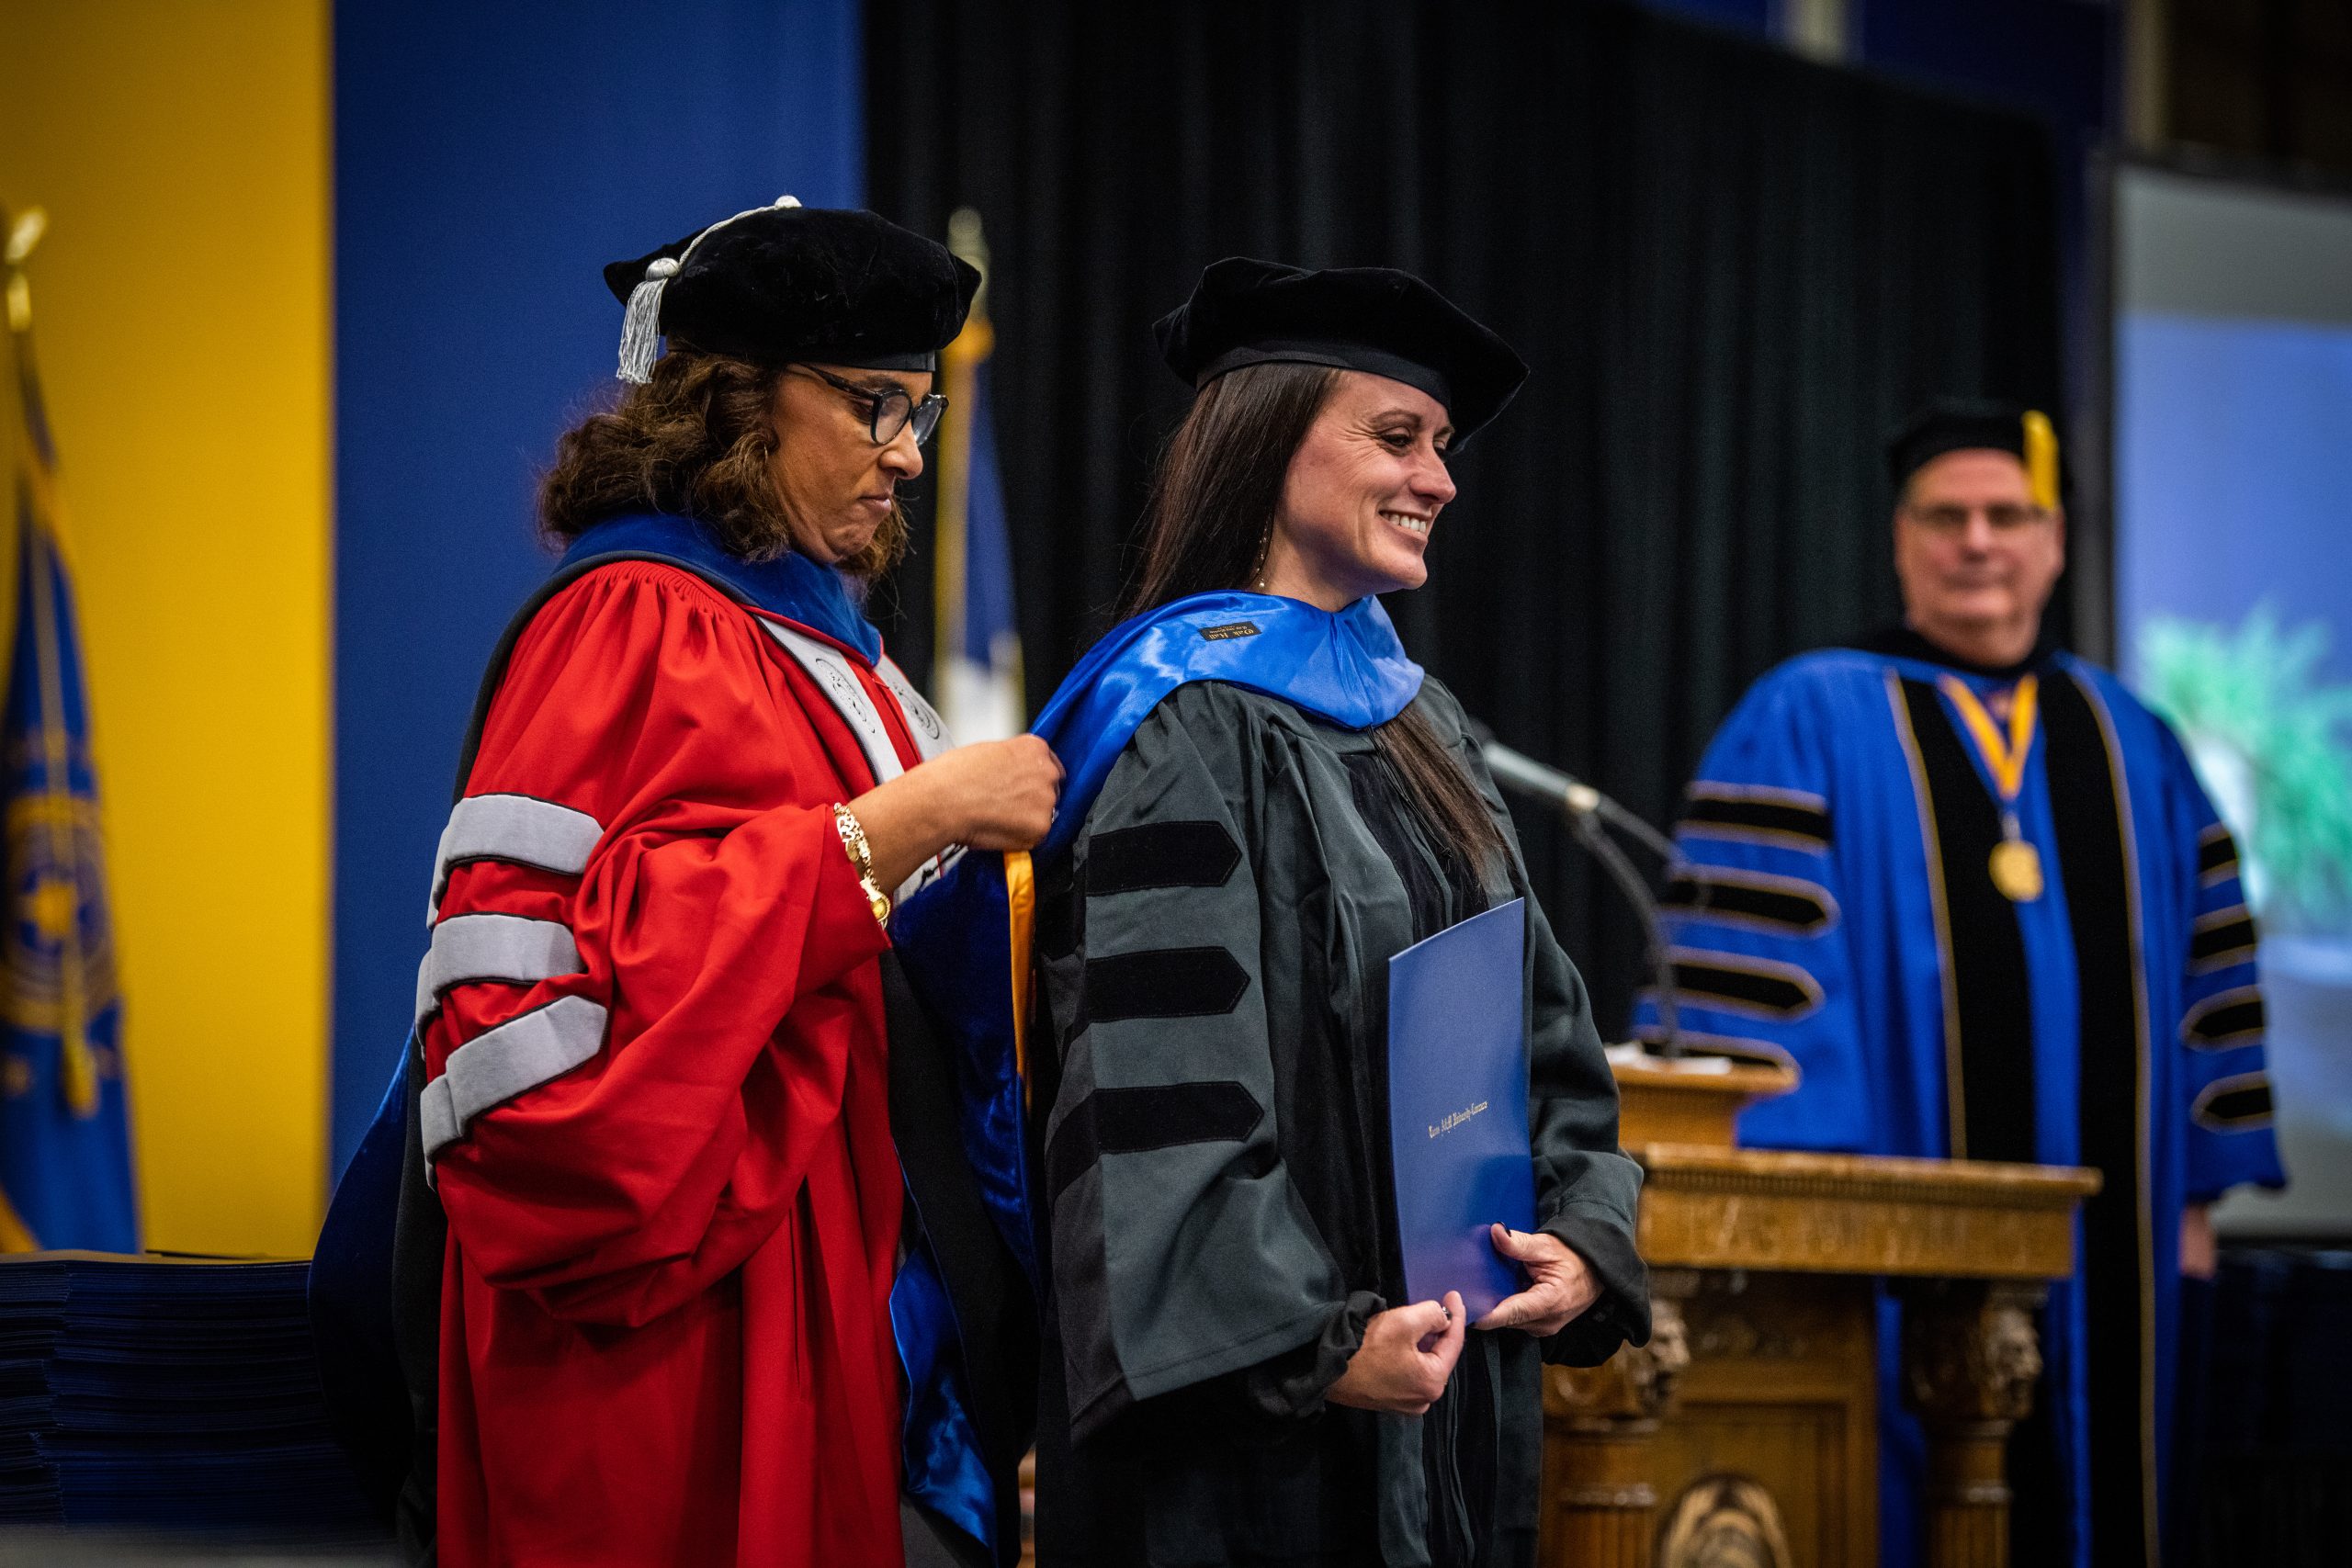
x=1976 y=557
x=1361 y=494
x=836 y=487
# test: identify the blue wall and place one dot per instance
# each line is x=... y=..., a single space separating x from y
x=489 y=160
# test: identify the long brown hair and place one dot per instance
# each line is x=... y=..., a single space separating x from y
x=698 y=439
x=1213 y=503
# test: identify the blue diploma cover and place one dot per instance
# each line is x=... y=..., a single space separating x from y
x=1457 y=1106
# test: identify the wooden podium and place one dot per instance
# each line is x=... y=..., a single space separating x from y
x=1745 y=1434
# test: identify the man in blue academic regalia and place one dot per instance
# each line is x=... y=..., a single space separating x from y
x=1971 y=886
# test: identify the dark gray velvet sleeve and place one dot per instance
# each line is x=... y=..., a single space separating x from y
x=1181 y=1252
x=1292 y=1386
x=1587 y=1188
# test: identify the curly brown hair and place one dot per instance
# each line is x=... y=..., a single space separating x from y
x=697 y=440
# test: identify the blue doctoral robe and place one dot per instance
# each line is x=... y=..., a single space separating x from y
x=1837 y=913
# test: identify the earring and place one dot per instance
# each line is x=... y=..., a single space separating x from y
x=1265 y=545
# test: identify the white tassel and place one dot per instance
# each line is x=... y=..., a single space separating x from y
x=641 y=324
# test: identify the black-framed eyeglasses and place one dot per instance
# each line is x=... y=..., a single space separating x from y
x=888 y=410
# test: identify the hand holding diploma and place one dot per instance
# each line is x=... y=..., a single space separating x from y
x=1457 y=1106
x=1560 y=1286
x=1407 y=1355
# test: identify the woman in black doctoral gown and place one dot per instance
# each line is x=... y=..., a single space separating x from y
x=1235 y=1374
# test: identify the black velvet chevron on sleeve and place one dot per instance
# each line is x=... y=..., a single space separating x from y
x=1159 y=855
x=1156 y=1116
x=2230 y=1019
x=1165 y=982
x=1745 y=984
x=1808 y=825
x=2225 y=941
x=1783 y=902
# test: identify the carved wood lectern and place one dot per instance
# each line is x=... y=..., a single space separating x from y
x=1744 y=1433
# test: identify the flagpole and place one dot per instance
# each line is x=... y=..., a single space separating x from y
x=960 y=370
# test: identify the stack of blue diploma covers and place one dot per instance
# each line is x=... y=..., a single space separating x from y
x=162 y=1394
x=1457 y=1106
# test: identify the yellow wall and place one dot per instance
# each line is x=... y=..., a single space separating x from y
x=181 y=305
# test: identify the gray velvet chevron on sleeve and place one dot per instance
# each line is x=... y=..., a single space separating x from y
x=1180 y=1249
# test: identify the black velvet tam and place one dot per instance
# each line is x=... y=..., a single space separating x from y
x=1372 y=319
x=1965 y=424
x=785 y=283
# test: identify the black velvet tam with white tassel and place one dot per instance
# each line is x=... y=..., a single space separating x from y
x=791 y=283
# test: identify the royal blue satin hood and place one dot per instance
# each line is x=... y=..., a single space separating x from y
x=1346 y=666
x=792 y=586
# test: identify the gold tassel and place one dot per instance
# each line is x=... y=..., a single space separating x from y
x=2041 y=459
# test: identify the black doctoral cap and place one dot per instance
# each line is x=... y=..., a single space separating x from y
x=1973 y=424
x=790 y=283
x=1373 y=319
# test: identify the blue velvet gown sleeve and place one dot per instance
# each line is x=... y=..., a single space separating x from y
x=2226 y=1085
x=1764 y=957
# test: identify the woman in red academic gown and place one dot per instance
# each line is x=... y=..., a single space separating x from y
x=653 y=1053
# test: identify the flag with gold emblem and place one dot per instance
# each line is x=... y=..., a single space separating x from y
x=65 y=1173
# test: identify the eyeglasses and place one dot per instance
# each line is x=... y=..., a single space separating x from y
x=1952 y=519
x=888 y=410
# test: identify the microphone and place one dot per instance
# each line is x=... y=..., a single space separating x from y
x=1516 y=769
x=1588 y=810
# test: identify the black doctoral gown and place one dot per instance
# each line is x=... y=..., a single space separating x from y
x=1212 y=1090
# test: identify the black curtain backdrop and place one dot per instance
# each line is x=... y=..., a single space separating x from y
x=1731 y=270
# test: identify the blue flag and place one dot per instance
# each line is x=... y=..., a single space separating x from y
x=65 y=1177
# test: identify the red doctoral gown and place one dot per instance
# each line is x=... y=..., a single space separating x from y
x=665 y=1333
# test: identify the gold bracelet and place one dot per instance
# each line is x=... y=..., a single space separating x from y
x=861 y=857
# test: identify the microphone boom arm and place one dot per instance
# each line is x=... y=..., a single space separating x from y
x=1589 y=813
x=1622 y=871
